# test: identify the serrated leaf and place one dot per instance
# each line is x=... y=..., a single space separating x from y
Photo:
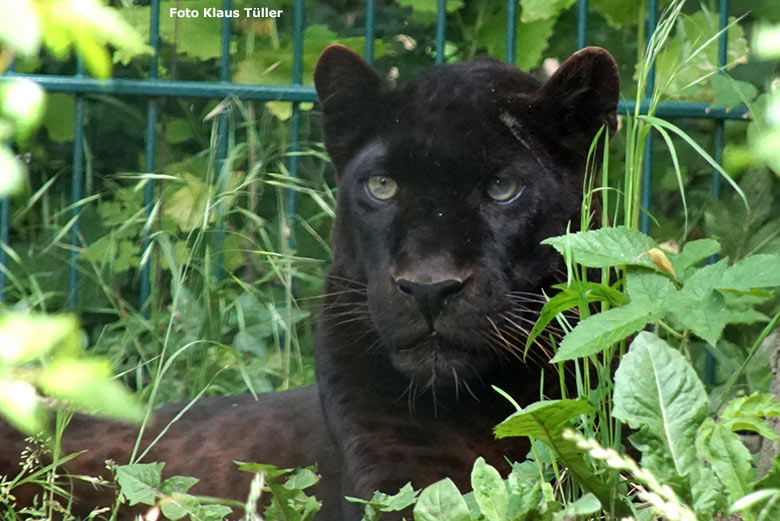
x=648 y=288
x=533 y=10
x=489 y=491
x=139 y=482
x=729 y=458
x=180 y=484
x=530 y=44
x=570 y=296
x=597 y=332
x=694 y=252
x=605 y=247
x=441 y=501
x=706 y=315
x=756 y=271
x=657 y=389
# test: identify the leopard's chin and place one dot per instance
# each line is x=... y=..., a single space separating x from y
x=435 y=361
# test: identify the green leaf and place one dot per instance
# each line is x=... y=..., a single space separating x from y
x=571 y=296
x=705 y=315
x=21 y=406
x=756 y=271
x=88 y=385
x=11 y=172
x=545 y=421
x=180 y=484
x=730 y=92
x=748 y=413
x=605 y=247
x=587 y=505
x=531 y=41
x=657 y=390
x=139 y=482
x=534 y=10
x=692 y=253
x=58 y=117
x=618 y=13
x=27 y=337
x=390 y=503
x=489 y=491
x=761 y=405
x=597 y=332
x=648 y=288
x=441 y=501
x=729 y=458
x=20 y=28
x=302 y=479
x=22 y=103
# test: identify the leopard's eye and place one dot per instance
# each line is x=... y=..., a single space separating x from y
x=503 y=190
x=381 y=187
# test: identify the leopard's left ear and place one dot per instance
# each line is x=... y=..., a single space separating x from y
x=580 y=97
x=349 y=92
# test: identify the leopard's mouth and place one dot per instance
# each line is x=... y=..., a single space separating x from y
x=440 y=361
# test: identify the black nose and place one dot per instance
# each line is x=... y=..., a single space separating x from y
x=431 y=298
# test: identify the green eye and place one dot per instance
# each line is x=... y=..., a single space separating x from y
x=502 y=190
x=381 y=187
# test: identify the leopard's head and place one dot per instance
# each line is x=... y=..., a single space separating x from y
x=447 y=186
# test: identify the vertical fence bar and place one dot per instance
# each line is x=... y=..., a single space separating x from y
x=441 y=16
x=295 y=119
x=582 y=23
x=77 y=187
x=647 y=159
x=720 y=135
x=369 y=49
x=719 y=141
x=150 y=152
x=511 y=31
x=223 y=122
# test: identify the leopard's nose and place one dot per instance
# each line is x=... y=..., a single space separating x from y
x=432 y=297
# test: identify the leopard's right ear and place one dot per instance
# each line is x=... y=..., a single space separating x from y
x=350 y=92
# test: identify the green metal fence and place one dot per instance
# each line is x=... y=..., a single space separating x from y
x=154 y=88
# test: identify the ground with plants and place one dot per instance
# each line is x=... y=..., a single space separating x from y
x=704 y=281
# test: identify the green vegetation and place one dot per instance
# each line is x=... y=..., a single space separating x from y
x=251 y=329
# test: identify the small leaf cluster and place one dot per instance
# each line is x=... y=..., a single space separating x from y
x=142 y=483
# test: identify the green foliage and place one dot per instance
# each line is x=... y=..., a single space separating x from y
x=45 y=353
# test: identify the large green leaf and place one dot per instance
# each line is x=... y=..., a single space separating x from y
x=658 y=391
x=605 y=247
x=545 y=421
x=441 y=501
x=597 y=332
